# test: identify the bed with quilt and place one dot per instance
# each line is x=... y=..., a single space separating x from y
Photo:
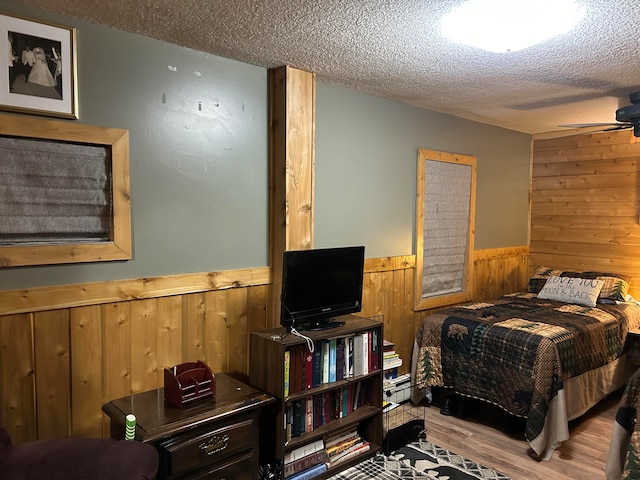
x=546 y=355
x=623 y=461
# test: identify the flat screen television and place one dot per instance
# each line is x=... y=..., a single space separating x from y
x=319 y=285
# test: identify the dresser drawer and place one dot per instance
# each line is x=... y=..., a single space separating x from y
x=205 y=446
x=242 y=467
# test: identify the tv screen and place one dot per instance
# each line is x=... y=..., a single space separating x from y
x=319 y=285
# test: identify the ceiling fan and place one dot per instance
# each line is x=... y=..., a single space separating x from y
x=626 y=117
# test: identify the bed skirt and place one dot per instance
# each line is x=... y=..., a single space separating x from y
x=577 y=396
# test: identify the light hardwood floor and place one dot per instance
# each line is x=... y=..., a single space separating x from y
x=483 y=435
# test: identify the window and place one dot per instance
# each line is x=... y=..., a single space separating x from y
x=64 y=192
x=445 y=211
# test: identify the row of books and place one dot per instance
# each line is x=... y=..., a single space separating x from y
x=309 y=460
x=331 y=360
x=344 y=446
x=304 y=461
x=304 y=415
x=390 y=360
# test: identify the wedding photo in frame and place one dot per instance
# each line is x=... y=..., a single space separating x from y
x=38 y=76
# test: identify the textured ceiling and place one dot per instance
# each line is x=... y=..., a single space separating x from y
x=393 y=49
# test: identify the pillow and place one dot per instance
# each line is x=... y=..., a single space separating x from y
x=581 y=291
x=615 y=286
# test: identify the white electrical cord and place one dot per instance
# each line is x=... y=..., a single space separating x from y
x=310 y=344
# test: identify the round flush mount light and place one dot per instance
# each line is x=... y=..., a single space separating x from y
x=510 y=25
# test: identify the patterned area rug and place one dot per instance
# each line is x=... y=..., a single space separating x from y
x=420 y=459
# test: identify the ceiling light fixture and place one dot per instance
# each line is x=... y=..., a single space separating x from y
x=510 y=25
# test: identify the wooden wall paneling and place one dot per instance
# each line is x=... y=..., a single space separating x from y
x=145 y=374
x=585 y=204
x=237 y=333
x=53 y=373
x=119 y=348
x=17 y=384
x=257 y=308
x=193 y=313
x=408 y=294
x=216 y=351
x=496 y=277
x=481 y=274
x=170 y=332
x=116 y=345
x=256 y=314
x=401 y=315
x=373 y=301
x=85 y=325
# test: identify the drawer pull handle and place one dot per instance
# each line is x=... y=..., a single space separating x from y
x=215 y=444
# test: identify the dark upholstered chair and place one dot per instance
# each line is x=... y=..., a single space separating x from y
x=76 y=458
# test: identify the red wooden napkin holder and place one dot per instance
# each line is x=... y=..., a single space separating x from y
x=187 y=382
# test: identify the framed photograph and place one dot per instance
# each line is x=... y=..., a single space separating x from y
x=38 y=75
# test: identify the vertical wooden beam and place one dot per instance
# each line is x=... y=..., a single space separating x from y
x=292 y=97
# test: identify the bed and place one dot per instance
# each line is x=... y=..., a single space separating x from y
x=623 y=461
x=547 y=354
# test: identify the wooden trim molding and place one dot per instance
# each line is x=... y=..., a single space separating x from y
x=65 y=296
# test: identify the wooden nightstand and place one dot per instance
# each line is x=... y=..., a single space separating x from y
x=633 y=346
x=215 y=438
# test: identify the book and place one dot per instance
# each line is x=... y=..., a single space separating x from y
x=340 y=359
x=365 y=352
x=344 y=435
x=299 y=417
x=318 y=410
x=390 y=373
x=340 y=447
x=304 y=450
x=296 y=369
x=356 y=395
x=388 y=345
x=287 y=364
x=374 y=347
x=325 y=362
x=308 y=414
x=392 y=362
x=308 y=370
x=354 y=452
x=305 y=463
x=344 y=401
x=317 y=364
x=358 y=355
x=288 y=422
x=309 y=473
x=332 y=360
x=349 y=356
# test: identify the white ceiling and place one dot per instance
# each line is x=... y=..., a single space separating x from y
x=393 y=49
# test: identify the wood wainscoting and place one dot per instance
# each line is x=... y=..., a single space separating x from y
x=67 y=350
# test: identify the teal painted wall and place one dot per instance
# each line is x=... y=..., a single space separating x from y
x=366 y=154
x=199 y=161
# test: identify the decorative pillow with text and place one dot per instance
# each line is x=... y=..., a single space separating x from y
x=615 y=288
x=581 y=291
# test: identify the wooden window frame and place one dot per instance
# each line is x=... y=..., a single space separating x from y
x=466 y=292
x=119 y=245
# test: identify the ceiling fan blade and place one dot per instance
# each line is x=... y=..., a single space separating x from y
x=586 y=125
